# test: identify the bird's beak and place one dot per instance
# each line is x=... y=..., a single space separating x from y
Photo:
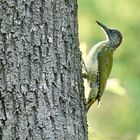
x=107 y=30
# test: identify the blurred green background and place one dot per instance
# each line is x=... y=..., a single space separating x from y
x=118 y=117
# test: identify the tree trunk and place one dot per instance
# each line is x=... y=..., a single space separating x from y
x=41 y=86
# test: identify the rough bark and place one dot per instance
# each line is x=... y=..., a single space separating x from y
x=41 y=87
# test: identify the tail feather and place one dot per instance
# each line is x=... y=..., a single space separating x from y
x=89 y=103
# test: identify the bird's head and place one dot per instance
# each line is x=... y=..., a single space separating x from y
x=114 y=36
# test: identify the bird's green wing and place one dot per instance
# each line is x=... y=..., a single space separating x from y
x=105 y=60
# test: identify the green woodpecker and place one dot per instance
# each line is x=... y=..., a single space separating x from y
x=99 y=63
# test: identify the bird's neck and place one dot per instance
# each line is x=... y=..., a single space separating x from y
x=108 y=44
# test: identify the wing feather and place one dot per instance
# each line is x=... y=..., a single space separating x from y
x=105 y=61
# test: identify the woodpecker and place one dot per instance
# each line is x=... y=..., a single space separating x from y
x=99 y=63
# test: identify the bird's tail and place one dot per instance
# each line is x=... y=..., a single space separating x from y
x=89 y=103
x=92 y=95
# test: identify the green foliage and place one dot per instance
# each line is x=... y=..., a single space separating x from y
x=118 y=117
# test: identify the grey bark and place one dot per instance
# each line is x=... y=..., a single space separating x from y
x=41 y=86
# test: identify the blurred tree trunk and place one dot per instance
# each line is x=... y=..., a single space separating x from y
x=41 y=87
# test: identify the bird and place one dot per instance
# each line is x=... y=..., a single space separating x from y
x=99 y=63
